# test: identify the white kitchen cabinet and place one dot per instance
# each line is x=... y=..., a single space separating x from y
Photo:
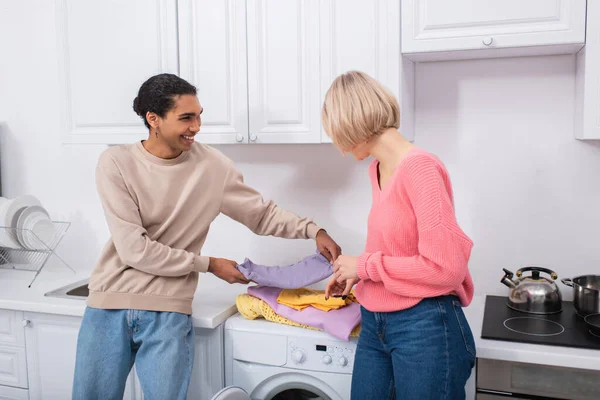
x=365 y=36
x=283 y=71
x=208 y=376
x=106 y=50
x=587 y=79
x=260 y=66
x=13 y=367
x=13 y=361
x=256 y=66
x=212 y=55
x=11 y=331
x=460 y=29
x=51 y=343
x=11 y=393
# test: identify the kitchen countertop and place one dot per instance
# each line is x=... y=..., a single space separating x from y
x=525 y=352
x=214 y=301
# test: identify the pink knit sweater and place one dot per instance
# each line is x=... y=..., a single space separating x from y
x=415 y=248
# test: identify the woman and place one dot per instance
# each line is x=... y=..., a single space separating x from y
x=415 y=342
x=160 y=196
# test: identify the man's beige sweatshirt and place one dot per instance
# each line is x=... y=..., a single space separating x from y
x=159 y=212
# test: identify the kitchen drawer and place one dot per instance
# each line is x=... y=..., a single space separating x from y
x=13 y=367
x=489 y=396
x=544 y=381
x=11 y=393
x=11 y=330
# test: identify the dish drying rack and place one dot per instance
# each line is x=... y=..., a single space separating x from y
x=34 y=258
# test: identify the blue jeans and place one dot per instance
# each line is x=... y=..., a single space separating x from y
x=424 y=352
x=160 y=343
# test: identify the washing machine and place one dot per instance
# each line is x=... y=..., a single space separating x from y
x=269 y=361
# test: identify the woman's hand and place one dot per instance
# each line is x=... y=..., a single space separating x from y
x=226 y=270
x=327 y=246
x=337 y=289
x=344 y=268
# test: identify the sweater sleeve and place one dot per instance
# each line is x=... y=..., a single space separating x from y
x=443 y=248
x=245 y=205
x=130 y=238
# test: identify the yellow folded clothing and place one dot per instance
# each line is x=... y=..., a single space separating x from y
x=299 y=299
x=252 y=307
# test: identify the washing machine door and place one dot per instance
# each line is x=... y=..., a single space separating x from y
x=297 y=386
x=231 y=393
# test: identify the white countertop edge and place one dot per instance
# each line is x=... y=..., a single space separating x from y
x=543 y=355
x=200 y=321
x=215 y=320
x=75 y=310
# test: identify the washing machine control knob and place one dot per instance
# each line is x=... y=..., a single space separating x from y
x=327 y=360
x=343 y=361
x=298 y=356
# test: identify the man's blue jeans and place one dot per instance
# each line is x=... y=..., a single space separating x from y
x=160 y=343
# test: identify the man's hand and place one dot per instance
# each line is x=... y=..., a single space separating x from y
x=339 y=289
x=327 y=246
x=226 y=270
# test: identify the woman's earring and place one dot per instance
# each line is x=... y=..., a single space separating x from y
x=156 y=133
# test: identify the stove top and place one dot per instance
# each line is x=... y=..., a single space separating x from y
x=562 y=329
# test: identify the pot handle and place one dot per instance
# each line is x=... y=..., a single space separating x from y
x=567 y=281
x=538 y=270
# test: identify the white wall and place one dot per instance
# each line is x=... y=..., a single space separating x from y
x=525 y=189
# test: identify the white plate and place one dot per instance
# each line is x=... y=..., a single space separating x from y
x=28 y=223
x=10 y=239
x=44 y=230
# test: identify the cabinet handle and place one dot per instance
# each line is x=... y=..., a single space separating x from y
x=488 y=41
x=239 y=138
x=253 y=137
x=25 y=323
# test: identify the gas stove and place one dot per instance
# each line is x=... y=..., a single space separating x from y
x=565 y=328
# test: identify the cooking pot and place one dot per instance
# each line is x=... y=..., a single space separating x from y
x=533 y=293
x=586 y=293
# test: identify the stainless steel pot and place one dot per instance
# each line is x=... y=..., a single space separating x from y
x=586 y=293
x=533 y=293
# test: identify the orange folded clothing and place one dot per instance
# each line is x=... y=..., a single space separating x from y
x=299 y=299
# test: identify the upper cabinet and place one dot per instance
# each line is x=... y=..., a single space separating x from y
x=587 y=79
x=283 y=71
x=365 y=36
x=105 y=51
x=212 y=56
x=461 y=29
x=261 y=67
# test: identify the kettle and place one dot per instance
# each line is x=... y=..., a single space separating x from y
x=533 y=293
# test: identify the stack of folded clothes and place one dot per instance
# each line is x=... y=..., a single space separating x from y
x=280 y=298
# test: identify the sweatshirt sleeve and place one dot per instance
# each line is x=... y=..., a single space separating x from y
x=246 y=206
x=130 y=238
x=443 y=249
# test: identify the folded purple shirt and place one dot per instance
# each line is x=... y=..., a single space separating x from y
x=338 y=323
x=309 y=270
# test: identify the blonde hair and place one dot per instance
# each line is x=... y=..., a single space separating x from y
x=357 y=108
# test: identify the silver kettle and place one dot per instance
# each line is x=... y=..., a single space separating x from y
x=533 y=293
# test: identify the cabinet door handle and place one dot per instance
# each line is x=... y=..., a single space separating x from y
x=253 y=137
x=239 y=138
x=488 y=41
x=25 y=323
